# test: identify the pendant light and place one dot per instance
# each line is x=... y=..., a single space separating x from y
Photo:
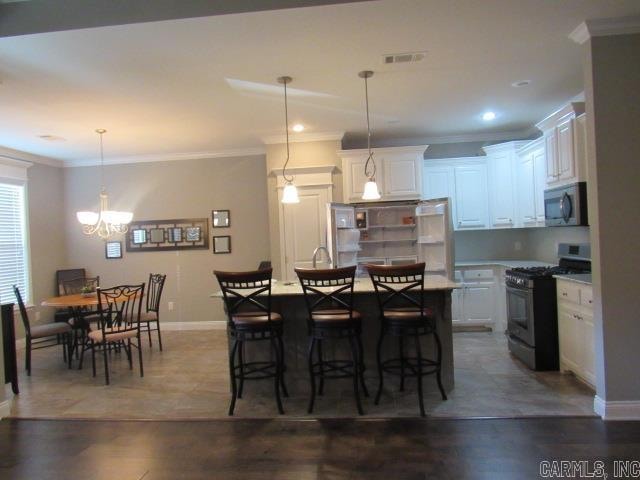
x=105 y=223
x=371 y=191
x=290 y=192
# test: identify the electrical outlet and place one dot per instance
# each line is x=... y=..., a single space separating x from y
x=170 y=306
x=517 y=246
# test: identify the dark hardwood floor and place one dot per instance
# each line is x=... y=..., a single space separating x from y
x=307 y=449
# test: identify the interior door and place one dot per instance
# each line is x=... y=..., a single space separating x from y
x=304 y=229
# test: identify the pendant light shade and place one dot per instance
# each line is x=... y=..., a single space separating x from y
x=370 y=191
x=290 y=192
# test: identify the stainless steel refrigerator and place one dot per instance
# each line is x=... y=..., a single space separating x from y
x=392 y=233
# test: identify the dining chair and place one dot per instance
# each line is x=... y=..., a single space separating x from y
x=247 y=300
x=405 y=316
x=77 y=286
x=328 y=295
x=43 y=336
x=119 y=309
x=152 y=313
x=64 y=314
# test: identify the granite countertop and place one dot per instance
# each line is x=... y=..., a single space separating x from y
x=584 y=278
x=362 y=285
x=503 y=263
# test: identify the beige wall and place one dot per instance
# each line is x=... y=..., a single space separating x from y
x=307 y=154
x=166 y=190
x=612 y=90
x=47 y=248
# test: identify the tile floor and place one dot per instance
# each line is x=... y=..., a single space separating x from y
x=189 y=380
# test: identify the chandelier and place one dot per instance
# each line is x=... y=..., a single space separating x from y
x=104 y=223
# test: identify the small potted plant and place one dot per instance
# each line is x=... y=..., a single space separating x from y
x=87 y=291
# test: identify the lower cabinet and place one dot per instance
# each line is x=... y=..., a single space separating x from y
x=475 y=304
x=575 y=329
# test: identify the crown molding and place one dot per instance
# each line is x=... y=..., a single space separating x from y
x=20 y=156
x=602 y=27
x=303 y=137
x=275 y=172
x=167 y=157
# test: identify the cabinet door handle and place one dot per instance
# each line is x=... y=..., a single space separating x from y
x=564 y=294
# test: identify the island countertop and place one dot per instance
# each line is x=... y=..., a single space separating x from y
x=362 y=285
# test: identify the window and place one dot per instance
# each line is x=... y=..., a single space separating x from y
x=14 y=264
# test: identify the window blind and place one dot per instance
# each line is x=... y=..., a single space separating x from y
x=13 y=245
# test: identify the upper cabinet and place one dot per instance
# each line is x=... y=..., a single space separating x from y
x=464 y=181
x=531 y=182
x=472 y=207
x=564 y=141
x=502 y=181
x=398 y=173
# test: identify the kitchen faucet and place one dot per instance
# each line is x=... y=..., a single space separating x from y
x=315 y=255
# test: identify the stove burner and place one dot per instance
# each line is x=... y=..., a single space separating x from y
x=534 y=272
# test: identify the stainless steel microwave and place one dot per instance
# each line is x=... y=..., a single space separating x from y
x=566 y=205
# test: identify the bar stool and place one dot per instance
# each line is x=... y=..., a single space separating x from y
x=247 y=299
x=329 y=298
x=400 y=292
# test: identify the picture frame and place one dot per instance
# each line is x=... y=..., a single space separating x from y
x=221 y=218
x=174 y=234
x=222 y=244
x=138 y=236
x=192 y=234
x=113 y=250
x=156 y=235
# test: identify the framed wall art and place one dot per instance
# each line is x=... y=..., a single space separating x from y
x=221 y=218
x=222 y=244
x=112 y=250
x=160 y=235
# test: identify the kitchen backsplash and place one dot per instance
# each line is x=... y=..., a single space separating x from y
x=516 y=244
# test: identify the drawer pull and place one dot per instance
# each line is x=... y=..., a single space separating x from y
x=564 y=294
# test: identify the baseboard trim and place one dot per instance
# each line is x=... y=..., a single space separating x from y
x=5 y=409
x=207 y=325
x=617 y=410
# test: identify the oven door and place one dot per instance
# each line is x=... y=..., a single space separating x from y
x=520 y=314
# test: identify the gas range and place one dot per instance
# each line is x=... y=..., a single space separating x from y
x=532 y=322
x=527 y=277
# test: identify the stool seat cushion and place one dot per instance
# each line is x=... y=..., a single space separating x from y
x=254 y=319
x=330 y=317
x=408 y=314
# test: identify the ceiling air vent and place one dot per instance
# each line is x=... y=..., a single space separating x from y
x=409 y=57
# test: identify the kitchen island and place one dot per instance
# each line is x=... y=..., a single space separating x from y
x=288 y=300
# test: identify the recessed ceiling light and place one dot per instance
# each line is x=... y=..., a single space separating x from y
x=52 y=138
x=521 y=83
x=488 y=116
x=298 y=127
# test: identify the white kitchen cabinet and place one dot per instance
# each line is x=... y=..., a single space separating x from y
x=438 y=182
x=398 y=173
x=564 y=146
x=472 y=200
x=530 y=173
x=539 y=181
x=402 y=177
x=475 y=304
x=575 y=329
x=501 y=162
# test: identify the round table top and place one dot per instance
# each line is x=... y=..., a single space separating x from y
x=77 y=300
